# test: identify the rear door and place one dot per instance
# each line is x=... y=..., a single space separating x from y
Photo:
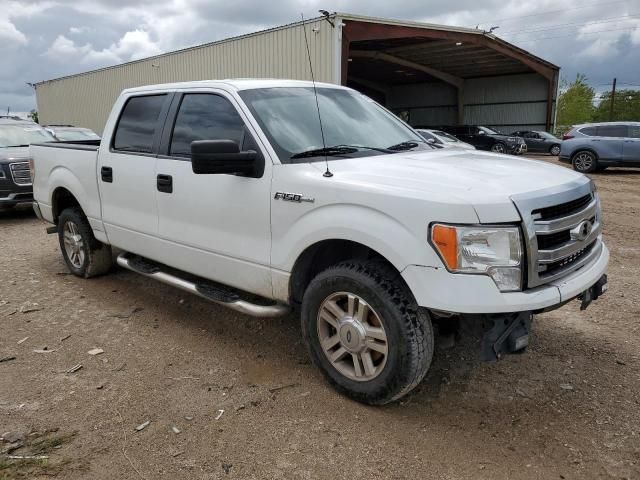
x=213 y=225
x=609 y=141
x=631 y=146
x=126 y=172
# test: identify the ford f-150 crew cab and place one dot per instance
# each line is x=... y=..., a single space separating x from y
x=232 y=191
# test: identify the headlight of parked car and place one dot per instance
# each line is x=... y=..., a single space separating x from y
x=513 y=140
x=492 y=251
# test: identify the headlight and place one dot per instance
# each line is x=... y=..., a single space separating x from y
x=492 y=251
x=512 y=140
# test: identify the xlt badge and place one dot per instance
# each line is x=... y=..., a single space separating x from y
x=292 y=197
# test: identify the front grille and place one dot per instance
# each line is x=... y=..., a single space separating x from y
x=20 y=173
x=545 y=242
x=563 y=264
x=562 y=210
x=558 y=239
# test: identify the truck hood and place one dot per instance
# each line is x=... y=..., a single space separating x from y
x=485 y=180
x=12 y=154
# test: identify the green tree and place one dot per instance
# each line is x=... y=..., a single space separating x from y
x=33 y=115
x=575 y=104
x=626 y=107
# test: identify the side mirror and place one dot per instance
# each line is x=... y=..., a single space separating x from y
x=220 y=157
x=481 y=132
x=431 y=140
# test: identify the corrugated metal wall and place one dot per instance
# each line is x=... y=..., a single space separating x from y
x=86 y=99
x=507 y=103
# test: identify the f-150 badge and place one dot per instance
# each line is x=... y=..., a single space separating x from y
x=292 y=197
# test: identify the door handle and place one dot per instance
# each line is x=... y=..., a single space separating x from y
x=164 y=183
x=107 y=174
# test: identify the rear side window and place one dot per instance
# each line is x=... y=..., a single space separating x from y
x=204 y=116
x=590 y=131
x=138 y=124
x=634 y=131
x=612 y=131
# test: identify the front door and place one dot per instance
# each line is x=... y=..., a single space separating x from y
x=214 y=225
x=535 y=143
x=127 y=173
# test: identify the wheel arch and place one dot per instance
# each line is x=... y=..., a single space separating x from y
x=584 y=149
x=62 y=198
x=326 y=253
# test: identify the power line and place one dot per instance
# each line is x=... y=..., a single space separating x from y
x=551 y=11
x=575 y=24
x=573 y=34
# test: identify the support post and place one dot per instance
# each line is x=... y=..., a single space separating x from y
x=613 y=100
x=461 y=105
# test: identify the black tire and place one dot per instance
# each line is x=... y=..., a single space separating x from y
x=408 y=329
x=554 y=150
x=96 y=259
x=584 y=161
x=499 y=148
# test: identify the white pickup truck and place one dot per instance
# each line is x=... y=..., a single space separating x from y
x=231 y=190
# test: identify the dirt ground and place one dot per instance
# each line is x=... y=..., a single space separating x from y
x=248 y=404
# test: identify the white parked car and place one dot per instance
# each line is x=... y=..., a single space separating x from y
x=443 y=139
x=229 y=190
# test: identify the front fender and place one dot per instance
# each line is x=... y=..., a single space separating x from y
x=357 y=223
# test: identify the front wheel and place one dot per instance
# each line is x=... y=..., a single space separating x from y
x=585 y=162
x=365 y=332
x=84 y=255
x=555 y=150
x=499 y=148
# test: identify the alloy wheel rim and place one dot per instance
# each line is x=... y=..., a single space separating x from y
x=352 y=336
x=555 y=150
x=583 y=162
x=73 y=244
x=498 y=148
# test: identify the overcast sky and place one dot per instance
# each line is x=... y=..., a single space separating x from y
x=44 y=39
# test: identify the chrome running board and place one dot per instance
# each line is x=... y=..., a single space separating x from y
x=204 y=289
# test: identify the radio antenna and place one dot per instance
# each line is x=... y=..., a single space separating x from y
x=327 y=172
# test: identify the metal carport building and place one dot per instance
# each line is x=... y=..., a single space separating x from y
x=428 y=74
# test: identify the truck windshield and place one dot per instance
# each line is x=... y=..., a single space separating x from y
x=289 y=118
x=23 y=135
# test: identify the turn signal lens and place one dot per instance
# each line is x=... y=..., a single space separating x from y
x=446 y=241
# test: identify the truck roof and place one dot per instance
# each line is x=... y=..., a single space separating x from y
x=234 y=83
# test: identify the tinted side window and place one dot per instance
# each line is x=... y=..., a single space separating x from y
x=205 y=116
x=590 y=131
x=138 y=124
x=612 y=131
x=634 y=131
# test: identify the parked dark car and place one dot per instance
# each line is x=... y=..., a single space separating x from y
x=15 y=176
x=539 y=141
x=69 y=133
x=485 y=138
x=596 y=146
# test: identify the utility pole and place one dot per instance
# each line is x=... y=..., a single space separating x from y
x=613 y=99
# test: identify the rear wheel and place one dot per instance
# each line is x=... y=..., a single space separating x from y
x=84 y=255
x=499 y=148
x=365 y=332
x=585 y=161
x=555 y=150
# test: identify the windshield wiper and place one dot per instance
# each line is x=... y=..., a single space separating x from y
x=407 y=145
x=325 y=152
x=14 y=146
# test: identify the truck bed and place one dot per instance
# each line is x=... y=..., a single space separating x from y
x=73 y=164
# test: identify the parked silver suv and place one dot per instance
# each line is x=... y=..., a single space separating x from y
x=596 y=146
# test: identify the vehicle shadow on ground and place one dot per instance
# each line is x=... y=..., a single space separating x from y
x=609 y=172
x=16 y=213
x=457 y=375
